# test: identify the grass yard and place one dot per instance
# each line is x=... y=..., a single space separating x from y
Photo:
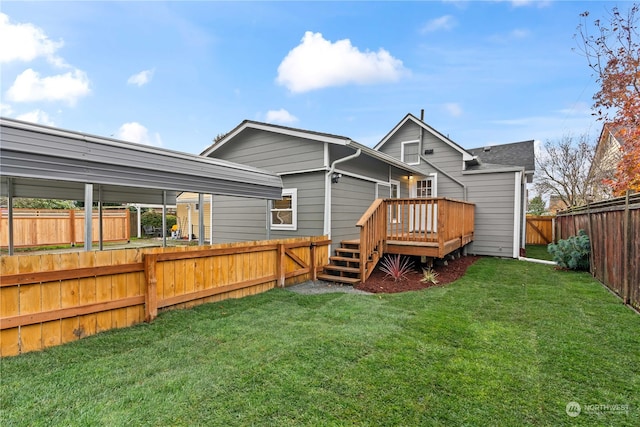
x=511 y=343
x=538 y=252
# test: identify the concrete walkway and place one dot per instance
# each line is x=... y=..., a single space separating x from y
x=322 y=287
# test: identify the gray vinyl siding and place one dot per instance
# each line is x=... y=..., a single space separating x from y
x=272 y=151
x=350 y=198
x=444 y=157
x=310 y=205
x=238 y=219
x=493 y=195
x=407 y=132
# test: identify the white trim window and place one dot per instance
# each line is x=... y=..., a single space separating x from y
x=410 y=152
x=284 y=213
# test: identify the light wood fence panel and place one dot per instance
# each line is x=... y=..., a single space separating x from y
x=539 y=230
x=52 y=299
x=47 y=227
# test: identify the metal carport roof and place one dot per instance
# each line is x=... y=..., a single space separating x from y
x=126 y=172
x=44 y=162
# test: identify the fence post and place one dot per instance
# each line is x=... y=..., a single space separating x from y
x=151 y=295
x=72 y=228
x=626 y=288
x=312 y=261
x=281 y=265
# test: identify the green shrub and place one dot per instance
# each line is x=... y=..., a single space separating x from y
x=154 y=219
x=572 y=253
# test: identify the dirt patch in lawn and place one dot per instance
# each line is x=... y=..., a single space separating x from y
x=379 y=282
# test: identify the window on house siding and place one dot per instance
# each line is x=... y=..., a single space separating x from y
x=410 y=153
x=284 y=213
x=424 y=188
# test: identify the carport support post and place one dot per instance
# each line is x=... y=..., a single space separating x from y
x=201 y=219
x=164 y=218
x=88 y=217
x=10 y=213
x=100 y=235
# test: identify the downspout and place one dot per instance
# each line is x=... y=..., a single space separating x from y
x=421 y=154
x=327 y=192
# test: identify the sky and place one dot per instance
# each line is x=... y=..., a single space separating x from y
x=177 y=74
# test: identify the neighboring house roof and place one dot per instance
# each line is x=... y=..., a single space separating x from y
x=309 y=135
x=47 y=162
x=514 y=154
x=410 y=117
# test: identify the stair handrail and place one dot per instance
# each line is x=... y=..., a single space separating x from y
x=373 y=229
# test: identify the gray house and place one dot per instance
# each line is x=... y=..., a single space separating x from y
x=494 y=178
x=330 y=181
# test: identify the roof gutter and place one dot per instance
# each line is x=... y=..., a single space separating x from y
x=421 y=155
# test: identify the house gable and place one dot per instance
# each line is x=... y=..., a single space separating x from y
x=277 y=152
x=406 y=133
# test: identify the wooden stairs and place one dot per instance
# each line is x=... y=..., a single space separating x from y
x=344 y=266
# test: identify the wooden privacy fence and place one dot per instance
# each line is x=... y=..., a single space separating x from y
x=613 y=227
x=539 y=230
x=42 y=227
x=52 y=299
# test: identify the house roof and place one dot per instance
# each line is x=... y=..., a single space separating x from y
x=514 y=154
x=300 y=133
x=47 y=162
x=310 y=135
x=410 y=117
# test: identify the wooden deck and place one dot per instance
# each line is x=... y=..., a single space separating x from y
x=431 y=227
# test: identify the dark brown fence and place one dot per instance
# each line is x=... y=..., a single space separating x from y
x=613 y=227
x=539 y=230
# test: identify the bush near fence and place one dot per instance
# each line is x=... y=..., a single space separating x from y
x=613 y=227
x=46 y=227
x=52 y=299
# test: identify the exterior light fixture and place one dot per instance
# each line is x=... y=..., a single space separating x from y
x=336 y=177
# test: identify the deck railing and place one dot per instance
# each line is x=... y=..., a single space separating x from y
x=439 y=221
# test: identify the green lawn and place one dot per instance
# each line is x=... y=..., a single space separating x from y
x=509 y=344
x=538 y=252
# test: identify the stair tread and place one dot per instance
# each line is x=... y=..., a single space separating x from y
x=342 y=268
x=348 y=250
x=339 y=279
x=344 y=258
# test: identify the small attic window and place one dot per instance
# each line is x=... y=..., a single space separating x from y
x=487 y=148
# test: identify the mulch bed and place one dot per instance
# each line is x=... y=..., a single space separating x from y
x=379 y=282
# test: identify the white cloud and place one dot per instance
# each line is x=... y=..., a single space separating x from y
x=135 y=132
x=280 y=116
x=27 y=42
x=446 y=22
x=520 y=33
x=5 y=110
x=68 y=87
x=453 y=109
x=537 y=3
x=142 y=78
x=36 y=116
x=524 y=3
x=318 y=63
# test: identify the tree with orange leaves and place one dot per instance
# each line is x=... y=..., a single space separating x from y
x=613 y=53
